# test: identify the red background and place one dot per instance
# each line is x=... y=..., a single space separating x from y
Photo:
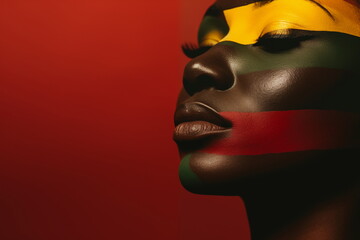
x=87 y=92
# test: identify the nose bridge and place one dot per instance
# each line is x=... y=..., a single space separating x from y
x=212 y=69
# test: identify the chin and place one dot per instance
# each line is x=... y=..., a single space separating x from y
x=213 y=174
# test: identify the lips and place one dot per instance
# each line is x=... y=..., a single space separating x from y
x=196 y=121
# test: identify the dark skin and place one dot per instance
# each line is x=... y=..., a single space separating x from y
x=306 y=195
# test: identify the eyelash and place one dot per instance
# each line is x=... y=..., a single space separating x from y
x=192 y=50
x=284 y=40
x=273 y=42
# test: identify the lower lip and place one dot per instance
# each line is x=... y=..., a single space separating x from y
x=196 y=130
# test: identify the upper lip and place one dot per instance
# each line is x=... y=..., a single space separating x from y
x=197 y=111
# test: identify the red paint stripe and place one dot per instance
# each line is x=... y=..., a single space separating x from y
x=288 y=131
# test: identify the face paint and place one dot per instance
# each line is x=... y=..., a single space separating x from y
x=248 y=23
x=286 y=74
x=288 y=131
x=213 y=27
x=325 y=49
x=188 y=178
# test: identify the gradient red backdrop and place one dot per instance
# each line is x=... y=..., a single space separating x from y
x=87 y=93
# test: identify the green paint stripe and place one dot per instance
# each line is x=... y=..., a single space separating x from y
x=326 y=50
x=188 y=178
x=211 y=23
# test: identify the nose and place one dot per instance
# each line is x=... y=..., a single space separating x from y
x=212 y=69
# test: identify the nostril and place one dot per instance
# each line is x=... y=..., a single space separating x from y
x=203 y=81
x=206 y=81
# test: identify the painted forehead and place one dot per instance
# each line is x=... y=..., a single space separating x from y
x=228 y=4
x=250 y=19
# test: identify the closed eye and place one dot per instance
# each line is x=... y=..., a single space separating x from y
x=283 y=40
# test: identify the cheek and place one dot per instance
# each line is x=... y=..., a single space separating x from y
x=300 y=88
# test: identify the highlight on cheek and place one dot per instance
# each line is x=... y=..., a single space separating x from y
x=248 y=23
x=288 y=131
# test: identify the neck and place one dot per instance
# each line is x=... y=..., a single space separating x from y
x=300 y=218
x=314 y=207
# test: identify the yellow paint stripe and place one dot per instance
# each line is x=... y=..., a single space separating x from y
x=211 y=38
x=248 y=23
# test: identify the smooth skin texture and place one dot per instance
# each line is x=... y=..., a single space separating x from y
x=279 y=56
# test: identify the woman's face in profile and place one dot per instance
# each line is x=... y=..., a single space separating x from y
x=271 y=95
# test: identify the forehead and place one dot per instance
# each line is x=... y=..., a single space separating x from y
x=254 y=18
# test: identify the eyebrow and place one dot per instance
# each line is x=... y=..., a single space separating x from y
x=227 y=4
x=323 y=8
x=261 y=3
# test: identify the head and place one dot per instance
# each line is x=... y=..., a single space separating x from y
x=271 y=96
